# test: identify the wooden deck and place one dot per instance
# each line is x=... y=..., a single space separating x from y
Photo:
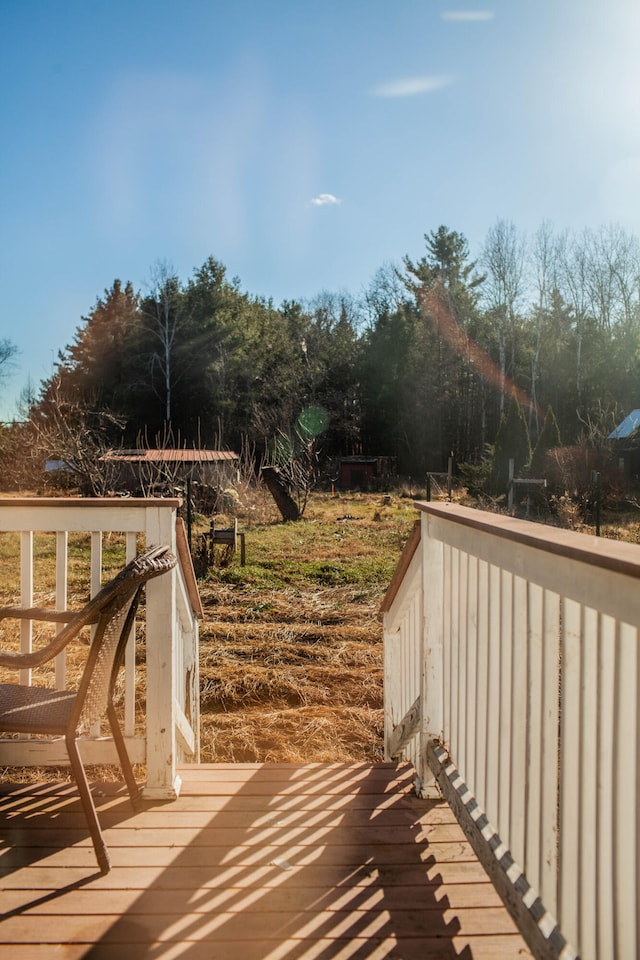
x=252 y=862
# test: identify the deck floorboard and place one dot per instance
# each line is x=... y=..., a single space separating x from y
x=254 y=862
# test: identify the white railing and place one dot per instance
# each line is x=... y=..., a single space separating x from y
x=512 y=668
x=171 y=725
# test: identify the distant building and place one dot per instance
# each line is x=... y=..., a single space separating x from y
x=142 y=470
x=365 y=473
x=626 y=440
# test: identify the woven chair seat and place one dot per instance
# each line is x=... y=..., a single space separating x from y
x=35 y=709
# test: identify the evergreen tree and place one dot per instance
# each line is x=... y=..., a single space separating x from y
x=446 y=287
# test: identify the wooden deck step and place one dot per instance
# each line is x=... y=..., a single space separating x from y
x=251 y=862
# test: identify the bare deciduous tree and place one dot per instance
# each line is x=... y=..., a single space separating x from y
x=163 y=310
x=75 y=434
x=503 y=257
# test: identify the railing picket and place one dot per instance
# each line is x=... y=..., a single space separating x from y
x=604 y=762
x=625 y=821
x=26 y=597
x=453 y=642
x=96 y=583
x=131 y=548
x=550 y=752
x=570 y=825
x=535 y=772
x=472 y=668
x=588 y=783
x=62 y=565
x=520 y=721
x=490 y=800
x=482 y=681
x=447 y=676
x=503 y=816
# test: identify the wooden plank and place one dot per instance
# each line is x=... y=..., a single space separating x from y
x=38 y=877
x=256 y=924
x=239 y=837
x=243 y=772
x=229 y=819
x=344 y=855
x=162 y=901
x=197 y=817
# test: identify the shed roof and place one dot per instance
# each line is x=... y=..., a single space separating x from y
x=627 y=427
x=172 y=456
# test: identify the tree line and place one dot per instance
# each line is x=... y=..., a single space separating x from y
x=422 y=365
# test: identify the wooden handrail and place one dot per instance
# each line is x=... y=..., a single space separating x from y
x=406 y=556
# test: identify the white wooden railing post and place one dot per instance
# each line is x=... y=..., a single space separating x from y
x=432 y=693
x=162 y=778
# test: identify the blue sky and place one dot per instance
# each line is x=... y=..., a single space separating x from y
x=144 y=131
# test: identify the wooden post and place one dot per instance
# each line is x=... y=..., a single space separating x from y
x=510 y=487
x=163 y=781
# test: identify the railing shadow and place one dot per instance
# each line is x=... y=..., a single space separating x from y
x=322 y=872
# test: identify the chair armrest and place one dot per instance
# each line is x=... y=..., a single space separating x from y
x=22 y=661
x=17 y=660
x=36 y=613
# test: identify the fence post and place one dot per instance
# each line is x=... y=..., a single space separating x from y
x=598 y=499
x=510 y=486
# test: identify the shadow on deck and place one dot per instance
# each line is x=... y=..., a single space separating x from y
x=254 y=861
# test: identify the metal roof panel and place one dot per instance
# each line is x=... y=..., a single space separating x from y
x=627 y=427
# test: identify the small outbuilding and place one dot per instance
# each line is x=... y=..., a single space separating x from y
x=626 y=443
x=365 y=473
x=141 y=470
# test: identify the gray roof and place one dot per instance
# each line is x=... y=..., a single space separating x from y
x=627 y=427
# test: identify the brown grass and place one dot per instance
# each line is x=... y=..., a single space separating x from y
x=291 y=648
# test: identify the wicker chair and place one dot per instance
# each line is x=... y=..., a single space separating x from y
x=37 y=710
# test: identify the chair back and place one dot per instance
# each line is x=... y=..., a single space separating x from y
x=113 y=610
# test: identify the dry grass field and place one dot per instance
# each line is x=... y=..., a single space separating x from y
x=291 y=647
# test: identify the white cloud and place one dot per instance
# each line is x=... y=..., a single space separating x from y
x=467 y=16
x=325 y=199
x=411 y=86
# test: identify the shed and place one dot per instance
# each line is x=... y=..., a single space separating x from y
x=146 y=467
x=626 y=441
x=364 y=473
